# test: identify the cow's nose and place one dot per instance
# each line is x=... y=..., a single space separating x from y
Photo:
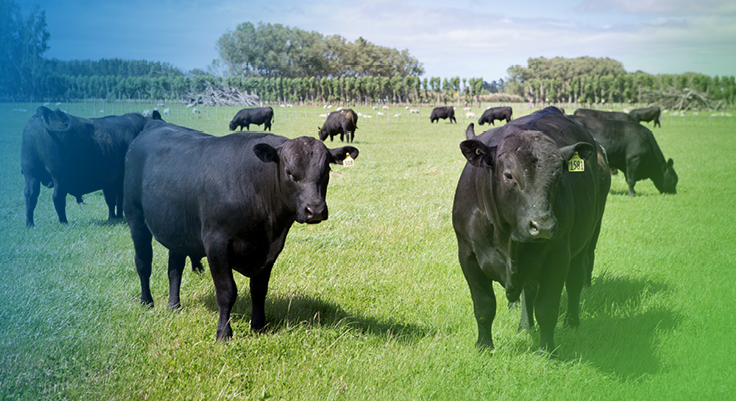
x=316 y=213
x=542 y=229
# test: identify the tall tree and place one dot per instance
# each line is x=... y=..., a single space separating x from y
x=22 y=44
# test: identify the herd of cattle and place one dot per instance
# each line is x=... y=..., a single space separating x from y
x=527 y=210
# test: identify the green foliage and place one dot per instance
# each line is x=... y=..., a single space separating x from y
x=276 y=50
x=22 y=44
x=603 y=80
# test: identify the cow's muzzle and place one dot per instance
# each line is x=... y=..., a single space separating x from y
x=315 y=213
x=542 y=229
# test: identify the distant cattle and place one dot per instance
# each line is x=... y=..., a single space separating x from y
x=496 y=113
x=76 y=156
x=443 y=113
x=527 y=214
x=604 y=115
x=631 y=147
x=255 y=115
x=648 y=114
x=343 y=122
x=231 y=199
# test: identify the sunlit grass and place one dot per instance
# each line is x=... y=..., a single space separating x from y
x=371 y=304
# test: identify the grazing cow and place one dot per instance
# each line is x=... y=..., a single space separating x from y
x=527 y=214
x=631 y=147
x=443 y=113
x=496 y=113
x=343 y=122
x=232 y=199
x=604 y=115
x=648 y=114
x=76 y=156
x=256 y=115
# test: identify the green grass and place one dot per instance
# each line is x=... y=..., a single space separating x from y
x=371 y=304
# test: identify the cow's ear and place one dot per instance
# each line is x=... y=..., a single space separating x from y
x=670 y=163
x=266 y=152
x=156 y=115
x=340 y=154
x=477 y=153
x=584 y=149
x=470 y=131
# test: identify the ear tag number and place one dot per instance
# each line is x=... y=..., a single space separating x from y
x=576 y=164
x=348 y=161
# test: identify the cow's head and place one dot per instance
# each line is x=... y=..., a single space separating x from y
x=670 y=179
x=304 y=172
x=322 y=133
x=233 y=125
x=525 y=169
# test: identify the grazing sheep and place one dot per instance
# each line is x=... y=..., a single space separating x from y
x=397 y=115
x=414 y=111
x=380 y=114
x=146 y=113
x=466 y=108
x=167 y=111
x=469 y=115
x=323 y=115
x=161 y=105
x=195 y=110
x=375 y=108
x=367 y=116
x=385 y=107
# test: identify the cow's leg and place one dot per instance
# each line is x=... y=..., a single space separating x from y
x=226 y=291
x=528 y=296
x=481 y=291
x=110 y=195
x=258 y=291
x=547 y=306
x=176 y=268
x=575 y=281
x=632 y=166
x=142 y=238
x=31 y=192
x=59 y=198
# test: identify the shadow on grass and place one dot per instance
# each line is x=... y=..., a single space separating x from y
x=299 y=310
x=622 y=328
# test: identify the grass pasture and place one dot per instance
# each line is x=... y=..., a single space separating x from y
x=371 y=304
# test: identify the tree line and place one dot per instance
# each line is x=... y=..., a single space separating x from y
x=270 y=51
x=367 y=89
x=284 y=64
x=603 y=80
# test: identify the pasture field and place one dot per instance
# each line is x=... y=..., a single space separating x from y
x=372 y=304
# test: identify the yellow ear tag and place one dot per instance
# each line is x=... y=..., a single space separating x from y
x=576 y=164
x=348 y=161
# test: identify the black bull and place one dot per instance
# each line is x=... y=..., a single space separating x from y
x=495 y=113
x=255 y=116
x=76 y=156
x=523 y=219
x=232 y=199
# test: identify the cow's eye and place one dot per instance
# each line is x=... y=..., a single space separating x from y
x=507 y=175
x=291 y=176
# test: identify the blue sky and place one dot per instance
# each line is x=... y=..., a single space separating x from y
x=470 y=38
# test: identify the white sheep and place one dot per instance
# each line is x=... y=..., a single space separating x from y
x=380 y=114
x=167 y=111
x=195 y=110
x=414 y=111
x=146 y=113
x=385 y=107
x=469 y=115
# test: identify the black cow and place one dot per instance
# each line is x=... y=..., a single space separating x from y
x=443 y=113
x=256 y=115
x=524 y=218
x=343 y=122
x=631 y=147
x=604 y=115
x=232 y=199
x=76 y=156
x=495 y=113
x=648 y=114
